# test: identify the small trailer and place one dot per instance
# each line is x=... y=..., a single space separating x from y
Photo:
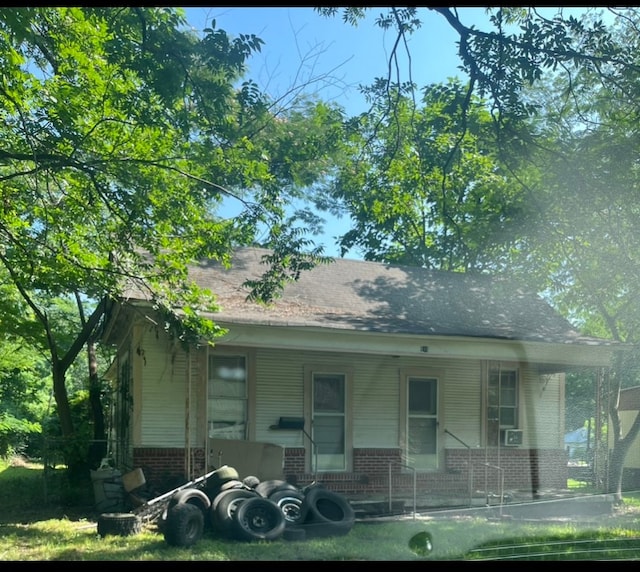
x=149 y=511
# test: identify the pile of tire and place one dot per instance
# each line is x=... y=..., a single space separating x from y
x=250 y=510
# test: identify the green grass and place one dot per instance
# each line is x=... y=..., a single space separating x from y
x=581 y=486
x=29 y=487
x=59 y=531
x=602 y=545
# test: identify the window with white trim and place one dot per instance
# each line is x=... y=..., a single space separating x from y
x=328 y=409
x=502 y=402
x=227 y=397
x=421 y=402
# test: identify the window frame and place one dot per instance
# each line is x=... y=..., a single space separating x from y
x=406 y=375
x=249 y=399
x=508 y=367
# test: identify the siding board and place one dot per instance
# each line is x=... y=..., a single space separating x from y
x=542 y=410
x=163 y=392
x=279 y=392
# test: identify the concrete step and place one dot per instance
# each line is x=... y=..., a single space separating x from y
x=371 y=508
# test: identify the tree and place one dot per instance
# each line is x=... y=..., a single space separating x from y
x=586 y=244
x=64 y=318
x=517 y=48
x=579 y=244
x=123 y=135
x=580 y=395
x=23 y=396
x=423 y=185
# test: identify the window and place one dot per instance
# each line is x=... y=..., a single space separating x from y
x=502 y=402
x=329 y=422
x=421 y=418
x=227 y=397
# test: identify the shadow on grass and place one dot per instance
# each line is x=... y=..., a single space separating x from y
x=31 y=493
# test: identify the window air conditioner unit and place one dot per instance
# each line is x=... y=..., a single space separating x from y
x=512 y=437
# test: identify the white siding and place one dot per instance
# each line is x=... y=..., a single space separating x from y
x=632 y=460
x=376 y=395
x=279 y=393
x=542 y=410
x=375 y=403
x=164 y=381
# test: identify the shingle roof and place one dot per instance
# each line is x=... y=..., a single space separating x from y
x=376 y=297
x=630 y=399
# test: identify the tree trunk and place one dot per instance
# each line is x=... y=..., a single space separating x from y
x=62 y=399
x=76 y=465
x=621 y=444
x=616 y=464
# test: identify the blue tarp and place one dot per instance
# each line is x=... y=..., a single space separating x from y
x=577 y=437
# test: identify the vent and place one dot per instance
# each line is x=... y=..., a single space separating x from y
x=512 y=437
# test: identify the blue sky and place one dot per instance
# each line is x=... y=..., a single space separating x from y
x=332 y=58
x=301 y=45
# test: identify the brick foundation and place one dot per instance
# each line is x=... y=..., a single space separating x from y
x=522 y=469
x=165 y=469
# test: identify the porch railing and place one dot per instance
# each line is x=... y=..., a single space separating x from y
x=395 y=463
x=469 y=465
x=500 y=471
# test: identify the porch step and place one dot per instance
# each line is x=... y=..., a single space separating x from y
x=371 y=508
x=550 y=506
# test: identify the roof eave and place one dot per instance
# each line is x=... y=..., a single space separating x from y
x=556 y=355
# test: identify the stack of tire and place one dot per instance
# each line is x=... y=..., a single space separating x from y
x=250 y=509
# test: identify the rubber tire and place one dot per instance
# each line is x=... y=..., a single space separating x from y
x=224 y=506
x=218 y=478
x=195 y=497
x=327 y=513
x=291 y=503
x=184 y=526
x=258 y=519
x=232 y=484
x=224 y=473
x=267 y=488
x=118 y=524
x=191 y=495
x=294 y=533
x=312 y=486
x=251 y=481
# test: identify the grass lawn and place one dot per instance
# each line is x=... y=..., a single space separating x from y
x=60 y=524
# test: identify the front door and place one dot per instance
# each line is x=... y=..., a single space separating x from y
x=421 y=422
x=329 y=421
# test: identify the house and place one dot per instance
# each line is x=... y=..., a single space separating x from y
x=628 y=410
x=364 y=376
